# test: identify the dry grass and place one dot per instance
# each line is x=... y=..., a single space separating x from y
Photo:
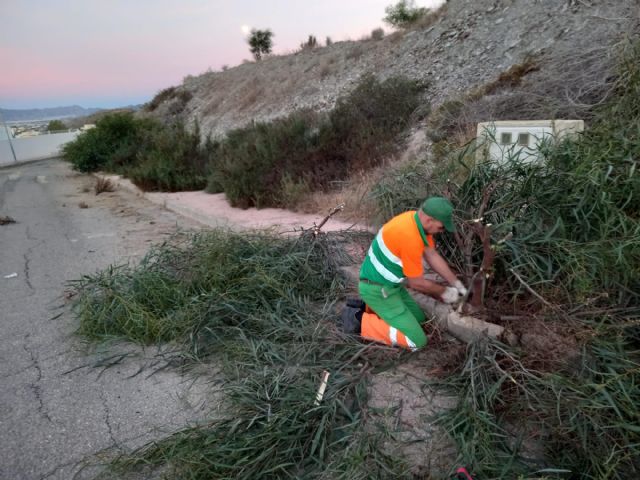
x=327 y=67
x=395 y=37
x=212 y=105
x=377 y=34
x=355 y=52
x=251 y=93
x=510 y=78
x=569 y=86
x=430 y=18
x=179 y=96
x=103 y=185
x=354 y=193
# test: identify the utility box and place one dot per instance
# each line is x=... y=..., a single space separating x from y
x=509 y=138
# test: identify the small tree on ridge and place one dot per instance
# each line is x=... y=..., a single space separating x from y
x=404 y=13
x=260 y=43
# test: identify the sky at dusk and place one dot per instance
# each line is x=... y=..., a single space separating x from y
x=109 y=53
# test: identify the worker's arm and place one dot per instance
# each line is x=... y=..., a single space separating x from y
x=439 y=292
x=439 y=265
x=423 y=285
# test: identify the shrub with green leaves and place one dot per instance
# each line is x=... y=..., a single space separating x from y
x=404 y=13
x=56 y=126
x=154 y=156
x=255 y=160
x=260 y=42
x=263 y=164
x=364 y=126
x=566 y=238
x=175 y=160
x=114 y=141
x=573 y=215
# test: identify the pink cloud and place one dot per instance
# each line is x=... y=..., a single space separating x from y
x=91 y=71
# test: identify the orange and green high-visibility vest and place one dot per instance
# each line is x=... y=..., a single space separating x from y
x=396 y=251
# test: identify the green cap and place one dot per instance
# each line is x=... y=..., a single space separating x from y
x=441 y=209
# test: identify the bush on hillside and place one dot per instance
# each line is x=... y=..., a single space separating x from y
x=271 y=164
x=310 y=44
x=56 y=126
x=260 y=43
x=404 y=14
x=175 y=160
x=377 y=34
x=254 y=160
x=364 y=125
x=114 y=141
x=154 y=156
x=180 y=96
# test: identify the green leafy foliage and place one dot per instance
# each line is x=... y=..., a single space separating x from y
x=566 y=228
x=260 y=165
x=259 y=305
x=404 y=13
x=364 y=125
x=176 y=160
x=573 y=216
x=114 y=141
x=253 y=160
x=154 y=156
x=260 y=43
x=400 y=190
x=56 y=126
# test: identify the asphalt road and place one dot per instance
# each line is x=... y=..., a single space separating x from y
x=58 y=406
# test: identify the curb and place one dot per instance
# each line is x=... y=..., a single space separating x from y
x=26 y=162
x=159 y=199
x=214 y=211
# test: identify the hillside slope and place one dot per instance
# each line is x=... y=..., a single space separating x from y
x=469 y=44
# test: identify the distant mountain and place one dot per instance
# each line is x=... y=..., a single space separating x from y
x=46 y=113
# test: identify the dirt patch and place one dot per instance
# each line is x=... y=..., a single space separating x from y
x=547 y=344
x=404 y=404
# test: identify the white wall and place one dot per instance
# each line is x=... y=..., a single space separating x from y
x=34 y=148
x=498 y=148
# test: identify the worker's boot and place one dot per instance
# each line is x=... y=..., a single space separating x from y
x=356 y=303
x=352 y=316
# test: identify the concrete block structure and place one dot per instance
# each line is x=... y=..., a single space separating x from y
x=501 y=140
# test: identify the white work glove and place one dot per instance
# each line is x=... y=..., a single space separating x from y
x=450 y=295
x=462 y=290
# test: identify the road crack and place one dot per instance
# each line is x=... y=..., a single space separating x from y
x=26 y=270
x=35 y=387
x=27 y=258
x=107 y=420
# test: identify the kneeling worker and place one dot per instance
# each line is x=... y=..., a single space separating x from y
x=394 y=260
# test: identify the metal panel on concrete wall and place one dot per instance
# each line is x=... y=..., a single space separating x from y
x=521 y=138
